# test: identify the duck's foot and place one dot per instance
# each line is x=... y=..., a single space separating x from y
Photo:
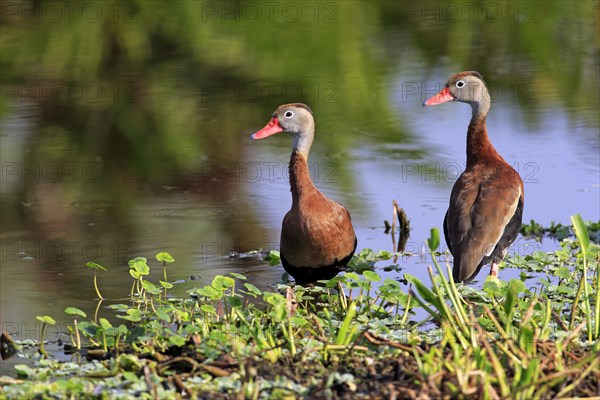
x=494 y=270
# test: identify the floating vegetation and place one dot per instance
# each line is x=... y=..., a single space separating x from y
x=354 y=336
x=557 y=231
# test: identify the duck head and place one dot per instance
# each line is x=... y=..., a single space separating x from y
x=467 y=87
x=296 y=120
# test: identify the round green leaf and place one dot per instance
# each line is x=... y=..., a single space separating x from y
x=165 y=257
x=135 y=260
x=371 y=276
x=149 y=286
x=104 y=323
x=141 y=267
x=133 y=315
x=221 y=282
x=75 y=311
x=252 y=288
x=177 y=340
x=208 y=309
x=166 y=285
x=238 y=276
x=46 y=319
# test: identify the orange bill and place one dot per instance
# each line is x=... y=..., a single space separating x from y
x=271 y=128
x=443 y=96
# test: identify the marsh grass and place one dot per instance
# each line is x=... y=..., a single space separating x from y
x=354 y=336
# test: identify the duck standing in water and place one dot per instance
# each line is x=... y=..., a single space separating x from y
x=317 y=237
x=486 y=204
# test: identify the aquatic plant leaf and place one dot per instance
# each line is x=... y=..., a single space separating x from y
x=581 y=232
x=141 y=267
x=88 y=328
x=46 y=319
x=130 y=376
x=133 y=315
x=75 y=311
x=492 y=285
x=238 y=276
x=104 y=323
x=151 y=287
x=299 y=321
x=274 y=299
x=210 y=292
x=566 y=290
x=207 y=308
x=177 y=340
x=390 y=284
x=165 y=257
x=221 y=282
x=274 y=254
x=274 y=258
x=352 y=276
x=371 y=276
x=166 y=285
x=367 y=255
x=119 y=306
x=563 y=272
x=24 y=371
x=515 y=287
x=137 y=259
x=434 y=239
x=253 y=288
x=234 y=301
x=384 y=255
x=93 y=265
x=162 y=314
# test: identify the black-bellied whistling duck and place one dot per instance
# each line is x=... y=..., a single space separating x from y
x=317 y=237
x=486 y=204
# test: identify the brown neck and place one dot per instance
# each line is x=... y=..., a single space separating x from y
x=479 y=146
x=300 y=183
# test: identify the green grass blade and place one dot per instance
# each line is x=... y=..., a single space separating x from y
x=343 y=333
x=584 y=241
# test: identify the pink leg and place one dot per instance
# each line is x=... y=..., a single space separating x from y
x=494 y=270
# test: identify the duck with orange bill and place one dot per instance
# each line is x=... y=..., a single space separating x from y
x=486 y=202
x=317 y=236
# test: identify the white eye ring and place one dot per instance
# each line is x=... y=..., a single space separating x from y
x=289 y=114
x=460 y=84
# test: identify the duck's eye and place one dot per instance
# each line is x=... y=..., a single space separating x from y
x=460 y=84
x=289 y=114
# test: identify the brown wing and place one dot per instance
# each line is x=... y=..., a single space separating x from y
x=318 y=233
x=482 y=204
